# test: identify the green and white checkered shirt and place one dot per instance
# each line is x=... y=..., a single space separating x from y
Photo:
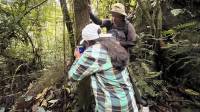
x=113 y=92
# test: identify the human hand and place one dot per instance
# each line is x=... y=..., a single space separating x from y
x=77 y=54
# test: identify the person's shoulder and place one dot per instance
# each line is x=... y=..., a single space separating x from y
x=129 y=25
x=96 y=48
x=95 y=51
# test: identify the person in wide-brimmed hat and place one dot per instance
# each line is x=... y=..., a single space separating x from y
x=122 y=30
x=118 y=8
x=119 y=26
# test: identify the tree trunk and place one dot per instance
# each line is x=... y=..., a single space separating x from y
x=154 y=20
x=81 y=16
x=55 y=55
x=64 y=44
x=69 y=25
x=81 y=19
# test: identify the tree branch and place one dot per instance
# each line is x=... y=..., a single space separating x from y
x=29 y=38
x=28 y=11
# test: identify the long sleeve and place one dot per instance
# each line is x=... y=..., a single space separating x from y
x=95 y=19
x=86 y=65
x=103 y=23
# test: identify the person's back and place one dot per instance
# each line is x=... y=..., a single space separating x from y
x=113 y=85
x=109 y=77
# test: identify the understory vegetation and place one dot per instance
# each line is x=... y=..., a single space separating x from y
x=37 y=42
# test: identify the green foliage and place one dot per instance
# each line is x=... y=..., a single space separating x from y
x=181 y=64
x=168 y=32
x=23 y=30
x=186 y=25
x=41 y=25
x=140 y=71
x=102 y=8
x=20 y=51
x=176 y=12
x=145 y=88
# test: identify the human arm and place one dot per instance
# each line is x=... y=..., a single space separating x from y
x=86 y=65
x=96 y=20
x=131 y=33
x=103 y=23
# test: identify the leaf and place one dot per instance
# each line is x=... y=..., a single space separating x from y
x=192 y=92
x=44 y=103
x=153 y=4
x=41 y=95
x=28 y=98
x=68 y=90
x=153 y=74
x=53 y=101
x=176 y=12
x=145 y=67
x=169 y=32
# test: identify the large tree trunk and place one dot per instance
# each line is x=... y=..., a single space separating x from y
x=82 y=19
x=81 y=16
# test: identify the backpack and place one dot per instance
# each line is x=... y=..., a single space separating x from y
x=120 y=33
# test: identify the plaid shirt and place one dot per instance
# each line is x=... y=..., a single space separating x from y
x=113 y=92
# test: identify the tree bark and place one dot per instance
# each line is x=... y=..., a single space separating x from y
x=64 y=45
x=81 y=16
x=154 y=20
x=69 y=25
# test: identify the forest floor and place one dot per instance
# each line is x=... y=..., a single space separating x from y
x=62 y=98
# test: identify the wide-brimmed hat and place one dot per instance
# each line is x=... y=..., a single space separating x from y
x=118 y=8
x=90 y=32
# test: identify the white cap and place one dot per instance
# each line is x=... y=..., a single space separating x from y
x=90 y=32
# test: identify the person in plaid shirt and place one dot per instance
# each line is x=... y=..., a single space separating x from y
x=105 y=61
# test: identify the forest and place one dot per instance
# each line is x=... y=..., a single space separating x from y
x=38 y=38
